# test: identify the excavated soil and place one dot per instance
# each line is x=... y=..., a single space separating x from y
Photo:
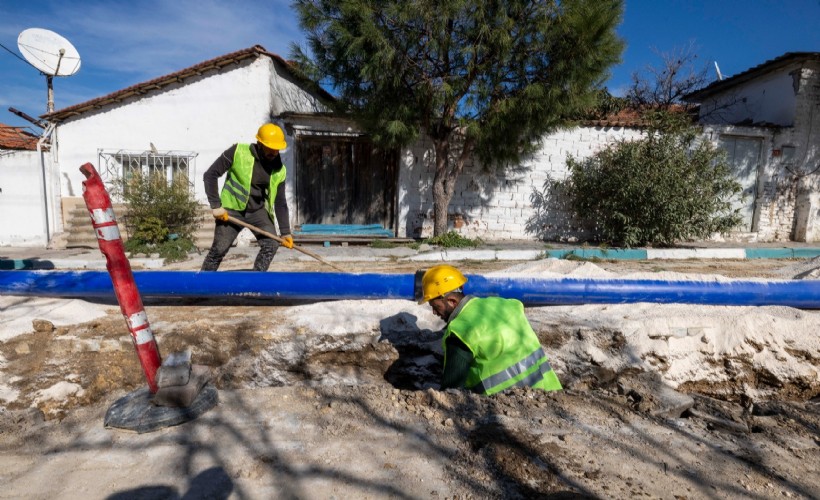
x=312 y=410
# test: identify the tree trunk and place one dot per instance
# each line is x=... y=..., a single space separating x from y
x=444 y=180
x=442 y=189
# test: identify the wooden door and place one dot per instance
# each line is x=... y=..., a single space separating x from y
x=344 y=180
x=743 y=155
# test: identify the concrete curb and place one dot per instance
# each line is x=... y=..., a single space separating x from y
x=451 y=255
x=90 y=264
x=686 y=253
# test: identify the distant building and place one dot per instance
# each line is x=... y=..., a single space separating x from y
x=767 y=118
x=180 y=123
x=22 y=201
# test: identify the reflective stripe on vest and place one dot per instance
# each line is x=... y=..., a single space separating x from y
x=237 y=190
x=515 y=370
x=504 y=346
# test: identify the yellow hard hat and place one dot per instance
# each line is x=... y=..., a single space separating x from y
x=439 y=280
x=271 y=136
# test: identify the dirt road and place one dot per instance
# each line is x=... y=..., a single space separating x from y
x=338 y=400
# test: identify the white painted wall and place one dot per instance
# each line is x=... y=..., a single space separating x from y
x=769 y=98
x=21 y=200
x=502 y=206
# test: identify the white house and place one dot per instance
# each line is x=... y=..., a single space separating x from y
x=768 y=120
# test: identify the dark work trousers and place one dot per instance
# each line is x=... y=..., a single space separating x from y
x=226 y=232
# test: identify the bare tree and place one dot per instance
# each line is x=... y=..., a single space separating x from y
x=669 y=83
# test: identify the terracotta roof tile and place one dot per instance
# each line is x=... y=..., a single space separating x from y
x=629 y=117
x=17 y=138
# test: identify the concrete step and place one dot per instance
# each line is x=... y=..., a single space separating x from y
x=79 y=232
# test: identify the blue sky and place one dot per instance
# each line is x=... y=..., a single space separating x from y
x=127 y=42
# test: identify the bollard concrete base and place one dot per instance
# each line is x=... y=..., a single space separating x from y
x=136 y=412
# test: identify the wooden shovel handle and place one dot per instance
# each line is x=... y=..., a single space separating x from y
x=277 y=238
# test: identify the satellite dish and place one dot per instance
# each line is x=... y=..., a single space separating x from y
x=50 y=53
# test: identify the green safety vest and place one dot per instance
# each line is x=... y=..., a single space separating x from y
x=506 y=351
x=237 y=188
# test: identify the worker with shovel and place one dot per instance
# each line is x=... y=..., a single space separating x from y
x=253 y=193
x=489 y=344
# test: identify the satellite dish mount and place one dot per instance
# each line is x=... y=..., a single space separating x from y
x=50 y=53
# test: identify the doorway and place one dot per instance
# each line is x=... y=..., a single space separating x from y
x=743 y=156
x=344 y=180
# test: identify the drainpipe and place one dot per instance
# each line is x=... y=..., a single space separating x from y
x=46 y=134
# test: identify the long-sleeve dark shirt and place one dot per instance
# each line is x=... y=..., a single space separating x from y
x=260 y=182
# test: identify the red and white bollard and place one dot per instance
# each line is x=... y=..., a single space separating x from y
x=108 y=236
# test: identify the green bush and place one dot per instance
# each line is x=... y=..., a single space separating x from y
x=659 y=190
x=175 y=250
x=161 y=217
x=452 y=239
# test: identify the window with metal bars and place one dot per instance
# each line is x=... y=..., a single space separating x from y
x=172 y=166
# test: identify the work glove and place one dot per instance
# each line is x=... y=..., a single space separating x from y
x=287 y=241
x=220 y=214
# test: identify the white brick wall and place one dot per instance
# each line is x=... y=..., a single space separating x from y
x=507 y=205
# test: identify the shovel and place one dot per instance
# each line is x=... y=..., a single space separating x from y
x=271 y=235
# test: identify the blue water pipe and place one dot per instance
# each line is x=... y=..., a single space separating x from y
x=532 y=291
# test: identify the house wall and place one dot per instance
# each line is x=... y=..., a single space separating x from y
x=803 y=163
x=768 y=99
x=204 y=115
x=511 y=205
x=788 y=203
x=22 y=200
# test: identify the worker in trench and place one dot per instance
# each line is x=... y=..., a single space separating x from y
x=489 y=344
x=254 y=193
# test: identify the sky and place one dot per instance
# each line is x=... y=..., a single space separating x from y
x=122 y=43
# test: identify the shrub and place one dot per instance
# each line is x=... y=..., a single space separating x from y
x=161 y=217
x=664 y=188
x=175 y=250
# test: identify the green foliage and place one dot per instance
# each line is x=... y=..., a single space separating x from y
x=161 y=217
x=452 y=239
x=665 y=188
x=507 y=71
x=604 y=105
x=150 y=230
x=575 y=257
x=175 y=250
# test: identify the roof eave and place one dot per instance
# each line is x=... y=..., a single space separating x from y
x=177 y=77
x=750 y=74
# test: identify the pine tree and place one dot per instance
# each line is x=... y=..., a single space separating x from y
x=483 y=78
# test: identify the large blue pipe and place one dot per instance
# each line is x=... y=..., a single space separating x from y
x=535 y=291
